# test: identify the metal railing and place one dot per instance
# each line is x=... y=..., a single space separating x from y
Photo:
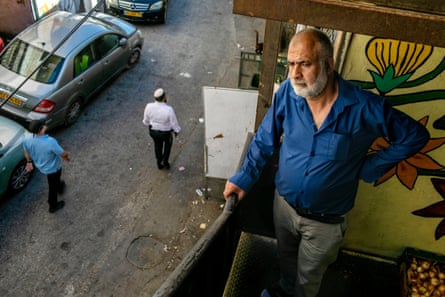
x=172 y=285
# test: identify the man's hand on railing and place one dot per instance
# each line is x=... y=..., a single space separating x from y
x=231 y=188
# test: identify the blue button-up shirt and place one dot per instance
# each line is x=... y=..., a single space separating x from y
x=319 y=169
x=45 y=152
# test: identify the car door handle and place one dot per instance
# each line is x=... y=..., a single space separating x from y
x=106 y=62
x=81 y=81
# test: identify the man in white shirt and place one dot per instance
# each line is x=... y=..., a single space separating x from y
x=162 y=124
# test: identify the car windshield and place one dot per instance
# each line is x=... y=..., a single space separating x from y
x=24 y=58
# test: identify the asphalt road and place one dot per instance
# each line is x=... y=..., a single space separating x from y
x=126 y=224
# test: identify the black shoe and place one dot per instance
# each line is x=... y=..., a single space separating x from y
x=166 y=165
x=62 y=187
x=59 y=205
x=274 y=291
x=160 y=166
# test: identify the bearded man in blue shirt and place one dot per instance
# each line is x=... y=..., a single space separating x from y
x=323 y=127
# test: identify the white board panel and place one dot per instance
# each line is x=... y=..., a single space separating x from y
x=229 y=117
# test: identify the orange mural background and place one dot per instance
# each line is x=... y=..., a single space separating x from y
x=406 y=207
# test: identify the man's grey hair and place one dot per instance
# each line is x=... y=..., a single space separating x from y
x=326 y=47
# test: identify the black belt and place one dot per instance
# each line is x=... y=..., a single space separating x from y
x=161 y=131
x=323 y=218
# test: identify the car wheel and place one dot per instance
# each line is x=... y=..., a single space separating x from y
x=134 y=57
x=73 y=112
x=19 y=177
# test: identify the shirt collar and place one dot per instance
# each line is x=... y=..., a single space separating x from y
x=345 y=94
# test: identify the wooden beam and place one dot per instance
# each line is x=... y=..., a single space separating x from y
x=272 y=34
x=355 y=17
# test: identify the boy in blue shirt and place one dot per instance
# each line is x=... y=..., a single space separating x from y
x=45 y=153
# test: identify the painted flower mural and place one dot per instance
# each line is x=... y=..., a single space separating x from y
x=395 y=61
x=395 y=64
x=408 y=170
x=436 y=210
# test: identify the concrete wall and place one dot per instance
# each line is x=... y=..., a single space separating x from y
x=15 y=15
x=403 y=209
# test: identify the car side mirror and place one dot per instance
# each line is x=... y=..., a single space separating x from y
x=123 y=42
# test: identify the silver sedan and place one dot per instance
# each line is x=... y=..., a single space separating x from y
x=51 y=69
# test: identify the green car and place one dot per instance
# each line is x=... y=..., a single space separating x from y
x=13 y=175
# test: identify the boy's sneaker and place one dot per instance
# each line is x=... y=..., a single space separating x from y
x=274 y=291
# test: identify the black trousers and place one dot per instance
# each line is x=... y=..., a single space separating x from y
x=54 y=187
x=163 y=143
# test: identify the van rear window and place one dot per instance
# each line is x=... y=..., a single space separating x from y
x=26 y=59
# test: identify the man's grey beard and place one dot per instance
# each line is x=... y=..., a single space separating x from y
x=310 y=91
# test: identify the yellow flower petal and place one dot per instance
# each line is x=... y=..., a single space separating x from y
x=404 y=56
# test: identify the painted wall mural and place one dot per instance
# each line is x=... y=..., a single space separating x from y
x=410 y=76
x=436 y=210
x=395 y=63
x=408 y=170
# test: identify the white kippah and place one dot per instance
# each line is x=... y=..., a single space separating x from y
x=159 y=93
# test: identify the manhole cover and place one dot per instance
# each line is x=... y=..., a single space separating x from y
x=145 y=252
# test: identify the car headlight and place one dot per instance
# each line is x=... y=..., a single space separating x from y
x=157 y=5
x=112 y=2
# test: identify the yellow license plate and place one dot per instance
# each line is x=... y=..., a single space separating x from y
x=133 y=14
x=13 y=100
